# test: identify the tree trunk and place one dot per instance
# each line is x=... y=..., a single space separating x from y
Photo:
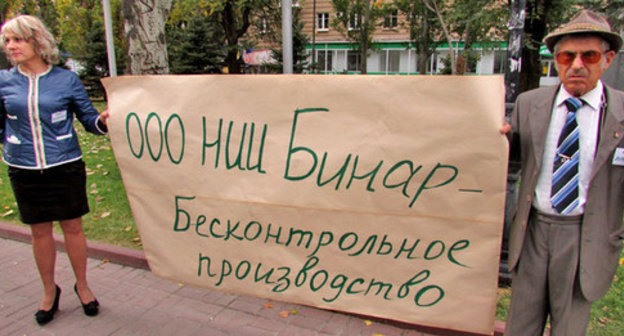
x=433 y=6
x=364 y=44
x=534 y=32
x=423 y=44
x=144 y=22
x=234 y=28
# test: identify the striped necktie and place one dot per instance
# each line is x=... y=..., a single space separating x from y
x=564 y=191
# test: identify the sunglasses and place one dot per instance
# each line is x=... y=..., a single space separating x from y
x=588 y=57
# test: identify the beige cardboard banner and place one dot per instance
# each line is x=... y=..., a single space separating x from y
x=378 y=195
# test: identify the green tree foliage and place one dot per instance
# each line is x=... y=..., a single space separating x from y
x=4 y=12
x=476 y=21
x=82 y=21
x=230 y=21
x=357 y=20
x=466 y=21
x=81 y=24
x=43 y=9
x=40 y=8
x=235 y=19
x=193 y=44
x=423 y=27
x=613 y=10
x=95 y=61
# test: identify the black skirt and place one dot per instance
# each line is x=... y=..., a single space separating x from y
x=52 y=194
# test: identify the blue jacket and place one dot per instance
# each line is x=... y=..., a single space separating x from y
x=37 y=114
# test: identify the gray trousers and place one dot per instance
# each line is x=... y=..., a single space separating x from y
x=545 y=283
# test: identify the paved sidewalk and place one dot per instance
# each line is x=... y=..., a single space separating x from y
x=135 y=302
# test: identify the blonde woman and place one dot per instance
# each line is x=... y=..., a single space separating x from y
x=38 y=103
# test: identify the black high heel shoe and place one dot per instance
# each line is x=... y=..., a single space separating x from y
x=44 y=316
x=91 y=308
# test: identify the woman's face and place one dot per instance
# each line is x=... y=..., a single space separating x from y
x=18 y=49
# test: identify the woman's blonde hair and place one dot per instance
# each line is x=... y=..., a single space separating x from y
x=31 y=29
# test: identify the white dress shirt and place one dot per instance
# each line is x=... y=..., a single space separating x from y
x=588 y=118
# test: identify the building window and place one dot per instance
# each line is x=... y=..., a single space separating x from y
x=390 y=61
x=322 y=21
x=324 y=60
x=500 y=61
x=353 y=60
x=354 y=22
x=391 y=20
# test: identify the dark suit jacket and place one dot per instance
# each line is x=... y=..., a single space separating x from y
x=602 y=228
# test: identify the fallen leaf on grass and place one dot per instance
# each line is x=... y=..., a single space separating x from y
x=622 y=261
x=603 y=320
x=136 y=239
x=105 y=214
x=93 y=192
x=283 y=314
x=10 y=212
x=268 y=305
x=105 y=261
x=368 y=323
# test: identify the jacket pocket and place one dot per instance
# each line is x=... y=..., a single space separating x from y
x=12 y=148
x=63 y=137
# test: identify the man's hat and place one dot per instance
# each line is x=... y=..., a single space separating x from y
x=585 y=22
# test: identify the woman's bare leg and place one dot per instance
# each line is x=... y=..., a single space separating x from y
x=76 y=245
x=45 y=257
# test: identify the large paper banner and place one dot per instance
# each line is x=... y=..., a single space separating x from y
x=376 y=195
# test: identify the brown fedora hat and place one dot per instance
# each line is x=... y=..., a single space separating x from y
x=585 y=22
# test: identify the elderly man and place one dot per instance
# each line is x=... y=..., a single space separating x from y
x=566 y=237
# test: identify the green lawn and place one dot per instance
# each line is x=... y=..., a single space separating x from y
x=110 y=221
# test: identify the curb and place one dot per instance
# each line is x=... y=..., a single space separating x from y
x=136 y=258
x=115 y=254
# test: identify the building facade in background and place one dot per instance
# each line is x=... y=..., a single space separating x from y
x=392 y=52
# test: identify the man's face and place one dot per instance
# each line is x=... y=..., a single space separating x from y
x=581 y=62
